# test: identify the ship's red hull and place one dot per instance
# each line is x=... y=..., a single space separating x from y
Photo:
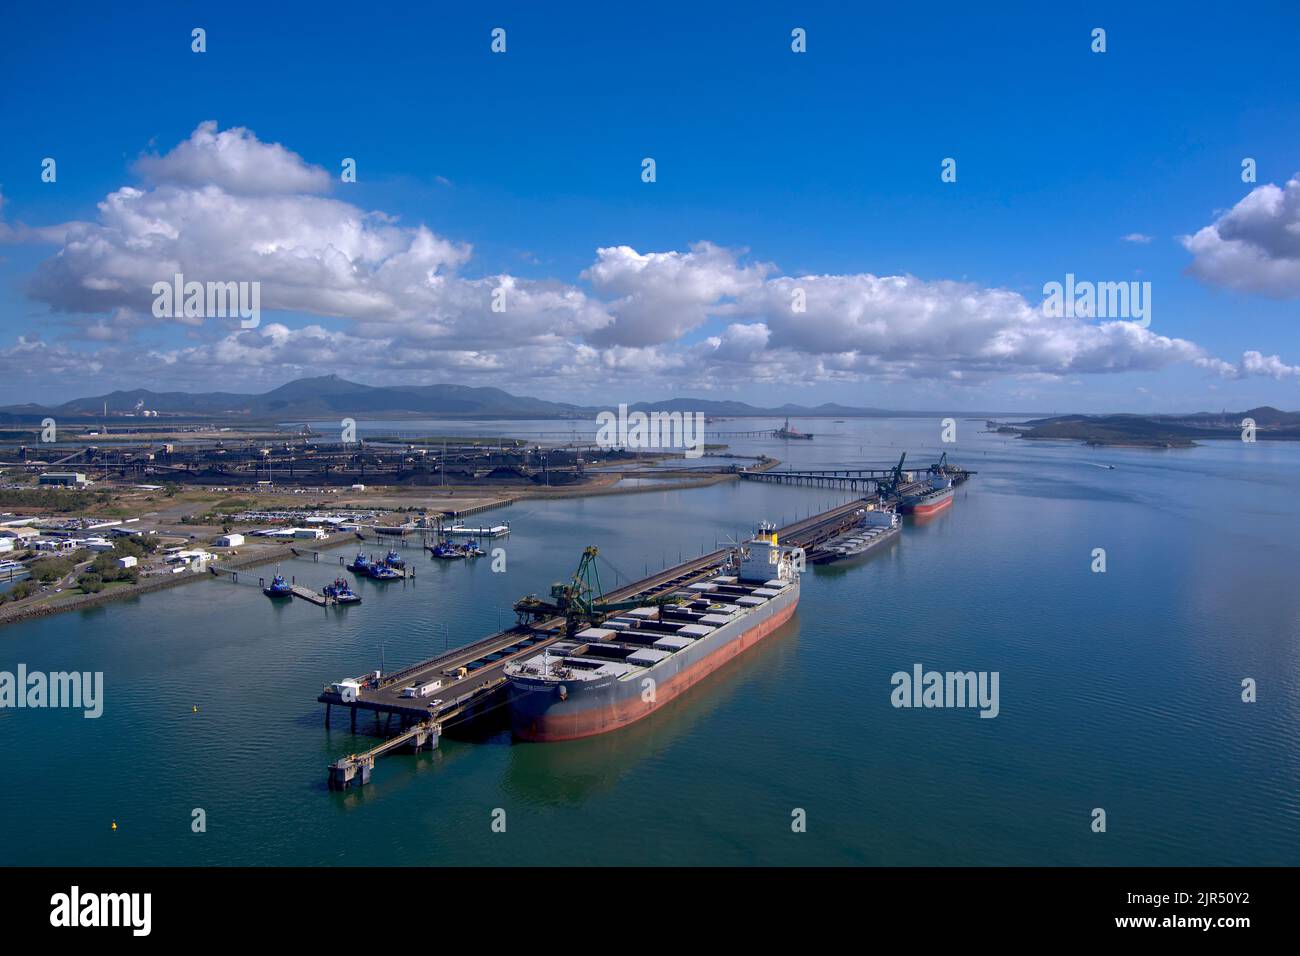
x=928 y=509
x=599 y=720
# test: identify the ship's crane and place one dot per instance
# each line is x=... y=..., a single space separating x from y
x=946 y=469
x=580 y=601
x=889 y=486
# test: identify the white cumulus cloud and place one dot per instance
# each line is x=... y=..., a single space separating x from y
x=1255 y=246
x=235 y=160
x=394 y=300
x=1253 y=363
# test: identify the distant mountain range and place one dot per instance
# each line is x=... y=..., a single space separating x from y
x=330 y=396
x=333 y=397
x=1162 y=430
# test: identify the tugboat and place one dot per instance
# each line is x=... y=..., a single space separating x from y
x=394 y=560
x=341 y=592
x=785 y=431
x=472 y=550
x=278 y=588
x=382 y=572
x=447 y=551
x=360 y=565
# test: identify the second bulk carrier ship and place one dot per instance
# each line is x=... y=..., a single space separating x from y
x=608 y=676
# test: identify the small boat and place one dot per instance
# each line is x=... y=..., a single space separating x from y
x=341 y=592
x=381 y=572
x=472 y=550
x=360 y=565
x=394 y=560
x=278 y=588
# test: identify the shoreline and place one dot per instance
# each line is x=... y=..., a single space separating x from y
x=14 y=614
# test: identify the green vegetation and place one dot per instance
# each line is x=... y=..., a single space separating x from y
x=1163 y=431
x=58 y=500
x=1112 y=431
x=105 y=568
x=19 y=591
x=136 y=547
x=90 y=583
x=102 y=572
x=52 y=568
x=235 y=504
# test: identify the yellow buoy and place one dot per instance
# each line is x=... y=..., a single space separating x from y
x=196 y=708
x=114 y=824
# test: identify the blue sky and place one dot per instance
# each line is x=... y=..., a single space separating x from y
x=789 y=165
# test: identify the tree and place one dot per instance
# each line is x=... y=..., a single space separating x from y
x=90 y=583
x=19 y=591
x=46 y=570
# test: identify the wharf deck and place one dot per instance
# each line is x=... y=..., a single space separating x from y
x=314 y=597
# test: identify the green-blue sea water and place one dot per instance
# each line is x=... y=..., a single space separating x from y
x=1119 y=690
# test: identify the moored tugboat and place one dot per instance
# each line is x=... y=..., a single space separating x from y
x=341 y=592
x=394 y=560
x=278 y=588
x=447 y=551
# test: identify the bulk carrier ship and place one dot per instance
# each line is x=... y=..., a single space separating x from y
x=875 y=529
x=607 y=676
x=935 y=496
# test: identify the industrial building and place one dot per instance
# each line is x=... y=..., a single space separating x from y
x=65 y=479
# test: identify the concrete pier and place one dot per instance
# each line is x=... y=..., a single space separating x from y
x=355 y=769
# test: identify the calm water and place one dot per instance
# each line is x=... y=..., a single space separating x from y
x=1118 y=690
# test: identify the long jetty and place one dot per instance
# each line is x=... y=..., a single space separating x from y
x=867 y=481
x=470 y=681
